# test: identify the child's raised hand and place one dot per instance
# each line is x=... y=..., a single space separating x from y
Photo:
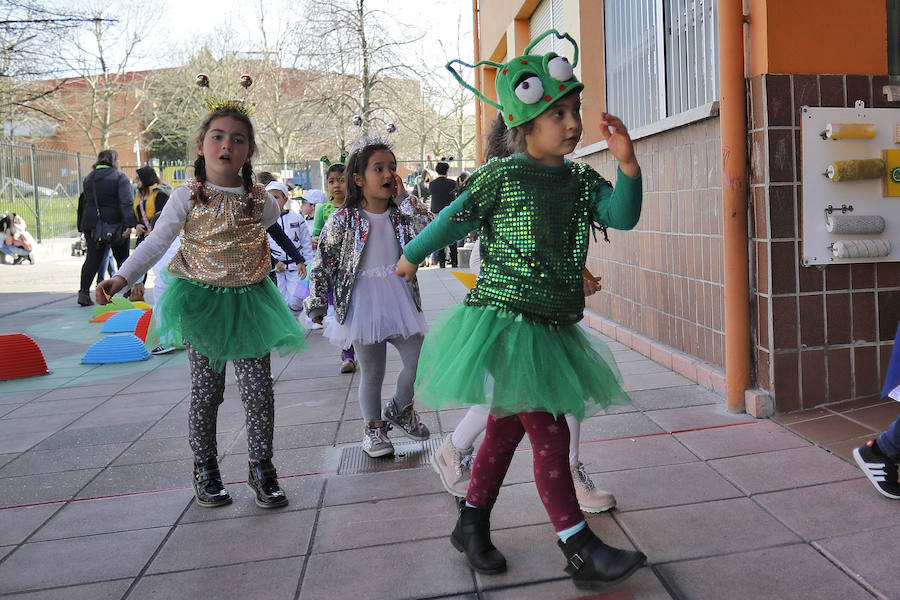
x=406 y=269
x=615 y=134
x=399 y=188
x=108 y=288
x=590 y=283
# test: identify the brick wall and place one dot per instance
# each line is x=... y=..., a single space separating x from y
x=664 y=279
x=822 y=334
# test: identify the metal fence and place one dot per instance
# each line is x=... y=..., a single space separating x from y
x=42 y=185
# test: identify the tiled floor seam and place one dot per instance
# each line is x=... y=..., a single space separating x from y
x=312 y=539
x=216 y=566
x=821 y=445
x=442 y=536
x=84 y=415
x=31 y=535
x=666 y=584
x=859 y=579
x=337 y=430
x=156 y=552
x=60 y=587
x=845 y=415
x=126 y=449
x=16 y=312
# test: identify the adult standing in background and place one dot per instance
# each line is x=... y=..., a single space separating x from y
x=108 y=192
x=149 y=200
x=442 y=190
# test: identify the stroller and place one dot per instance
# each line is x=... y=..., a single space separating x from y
x=79 y=248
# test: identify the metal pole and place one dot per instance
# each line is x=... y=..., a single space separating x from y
x=34 y=192
x=78 y=169
x=733 y=124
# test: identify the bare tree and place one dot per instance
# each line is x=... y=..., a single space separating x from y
x=103 y=97
x=361 y=46
x=177 y=105
x=285 y=87
x=456 y=126
x=27 y=30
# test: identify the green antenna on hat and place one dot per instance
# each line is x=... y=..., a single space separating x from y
x=528 y=84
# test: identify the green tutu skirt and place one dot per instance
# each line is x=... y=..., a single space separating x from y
x=477 y=355
x=226 y=324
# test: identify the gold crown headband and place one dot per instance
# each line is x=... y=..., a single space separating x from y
x=215 y=103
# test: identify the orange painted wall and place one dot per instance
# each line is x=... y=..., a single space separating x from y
x=593 y=71
x=818 y=36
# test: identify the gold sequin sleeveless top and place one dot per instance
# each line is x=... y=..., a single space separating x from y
x=223 y=244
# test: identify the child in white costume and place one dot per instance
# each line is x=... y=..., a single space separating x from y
x=287 y=272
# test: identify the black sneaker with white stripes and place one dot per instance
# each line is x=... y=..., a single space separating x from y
x=880 y=470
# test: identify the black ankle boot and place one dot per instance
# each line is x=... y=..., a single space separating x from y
x=263 y=480
x=84 y=298
x=593 y=564
x=472 y=535
x=207 y=484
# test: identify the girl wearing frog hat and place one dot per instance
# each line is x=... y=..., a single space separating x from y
x=513 y=344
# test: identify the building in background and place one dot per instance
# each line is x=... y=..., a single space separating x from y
x=676 y=288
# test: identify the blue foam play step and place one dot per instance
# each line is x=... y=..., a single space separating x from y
x=116 y=349
x=124 y=321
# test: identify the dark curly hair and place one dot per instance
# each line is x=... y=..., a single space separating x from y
x=357 y=164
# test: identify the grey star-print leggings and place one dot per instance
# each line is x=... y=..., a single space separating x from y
x=254 y=378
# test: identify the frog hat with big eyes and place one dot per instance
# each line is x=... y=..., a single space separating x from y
x=528 y=84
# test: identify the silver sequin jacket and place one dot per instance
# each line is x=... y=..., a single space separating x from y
x=341 y=245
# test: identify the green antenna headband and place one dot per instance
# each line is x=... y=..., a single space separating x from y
x=527 y=85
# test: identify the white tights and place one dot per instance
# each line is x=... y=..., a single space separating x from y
x=475 y=421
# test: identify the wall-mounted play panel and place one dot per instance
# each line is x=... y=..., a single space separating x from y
x=851 y=185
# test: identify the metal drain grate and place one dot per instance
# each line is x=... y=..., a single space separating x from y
x=407 y=455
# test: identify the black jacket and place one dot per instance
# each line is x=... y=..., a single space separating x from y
x=110 y=189
x=443 y=192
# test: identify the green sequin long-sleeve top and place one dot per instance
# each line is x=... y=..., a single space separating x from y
x=535 y=228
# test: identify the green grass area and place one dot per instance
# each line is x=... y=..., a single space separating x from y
x=58 y=216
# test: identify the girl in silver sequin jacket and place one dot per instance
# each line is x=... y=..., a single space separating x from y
x=341 y=245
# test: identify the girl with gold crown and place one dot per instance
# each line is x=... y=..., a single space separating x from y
x=220 y=300
x=513 y=344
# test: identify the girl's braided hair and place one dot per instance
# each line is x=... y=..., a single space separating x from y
x=198 y=194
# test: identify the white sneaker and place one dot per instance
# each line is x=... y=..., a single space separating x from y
x=590 y=498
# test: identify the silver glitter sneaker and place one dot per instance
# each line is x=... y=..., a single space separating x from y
x=375 y=441
x=590 y=499
x=407 y=420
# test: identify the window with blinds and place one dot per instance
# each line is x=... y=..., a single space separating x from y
x=549 y=15
x=661 y=57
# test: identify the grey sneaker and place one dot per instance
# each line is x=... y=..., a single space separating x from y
x=375 y=441
x=454 y=466
x=407 y=420
x=590 y=499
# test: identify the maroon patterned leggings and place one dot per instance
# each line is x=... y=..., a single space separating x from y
x=549 y=437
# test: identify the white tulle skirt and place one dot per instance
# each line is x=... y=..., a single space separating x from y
x=381 y=307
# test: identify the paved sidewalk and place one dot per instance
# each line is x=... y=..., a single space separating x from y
x=95 y=501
